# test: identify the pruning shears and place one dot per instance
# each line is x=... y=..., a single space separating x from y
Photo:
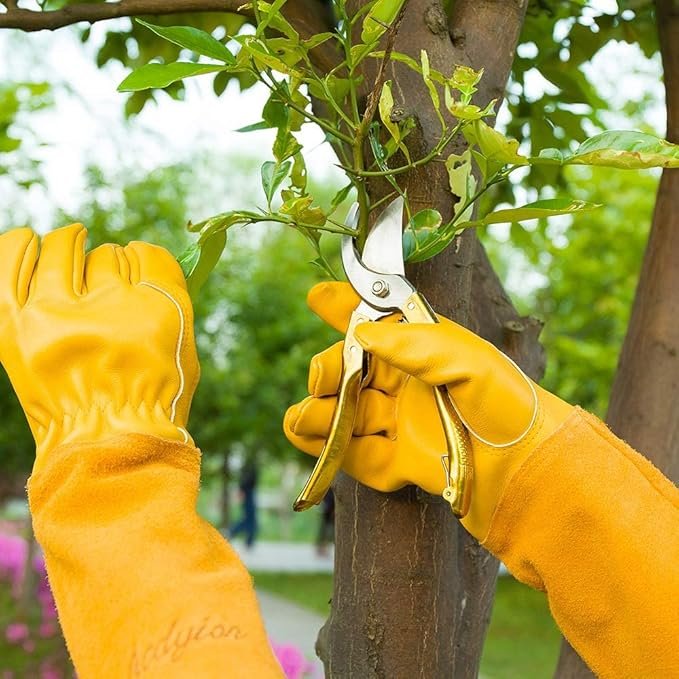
x=378 y=276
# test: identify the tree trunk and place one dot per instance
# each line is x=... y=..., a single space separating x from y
x=413 y=591
x=644 y=406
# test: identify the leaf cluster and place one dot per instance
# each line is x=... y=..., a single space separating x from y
x=368 y=141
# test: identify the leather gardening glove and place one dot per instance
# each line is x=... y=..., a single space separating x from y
x=398 y=437
x=101 y=352
x=95 y=345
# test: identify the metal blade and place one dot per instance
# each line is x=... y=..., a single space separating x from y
x=383 y=250
x=382 y=291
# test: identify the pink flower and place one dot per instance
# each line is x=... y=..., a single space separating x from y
x=28 y=646
x=16 y=632
x=292 y=660
x=13 y=551
x=47 y=629
x=48 y=671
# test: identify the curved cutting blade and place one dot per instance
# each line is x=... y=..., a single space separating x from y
x=383 y=251
x=381 y=283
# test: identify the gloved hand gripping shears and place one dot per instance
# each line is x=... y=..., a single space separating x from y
x=379 y=279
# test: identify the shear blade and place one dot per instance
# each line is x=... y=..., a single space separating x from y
x=383 y=250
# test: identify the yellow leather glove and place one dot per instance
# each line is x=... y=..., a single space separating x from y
x=398 y=437
x=101 y=352
x=98 y=344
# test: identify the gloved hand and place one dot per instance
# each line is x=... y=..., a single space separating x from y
x=95 y=345
x=398 y=437
x=101 y=352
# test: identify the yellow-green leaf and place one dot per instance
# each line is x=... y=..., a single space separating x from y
x=536 y=210
x=624 y=149
x=379 y=18
x=493 y=144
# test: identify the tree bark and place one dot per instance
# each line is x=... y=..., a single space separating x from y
x=413 y=591
x=644 y=406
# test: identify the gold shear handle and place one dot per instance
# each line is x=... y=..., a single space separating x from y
x=460 y=469
x=342 y=425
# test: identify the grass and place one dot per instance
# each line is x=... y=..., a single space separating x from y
x=522 y=640
x=310 y=590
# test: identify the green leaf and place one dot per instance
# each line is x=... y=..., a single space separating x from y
x=464 y=111
x=201 y=265
x=285 y=145
x=493 y=144
x=537 y=210
x=435 y=75
x=162 y=75
x=316 y=40
x=462 y=181
x=298 y=176
x=270 y=13
x=433 y=92
x=302 y=211
x=421 y=235
x=623 y=149
x=273 y=18
x=386 y=104
x=262 y=56
x=273 y=174
x=381 y=15
x=275 y=112
x=8 y=144
x=261 y=125
x=340 y=197
x=193 y=39
x=465 y=80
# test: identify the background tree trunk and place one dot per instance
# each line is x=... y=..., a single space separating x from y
x=413 y=591
x=644 y=406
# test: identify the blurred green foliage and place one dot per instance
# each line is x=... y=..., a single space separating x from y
x=584 y=275
x=17 y=99
x=254 y=332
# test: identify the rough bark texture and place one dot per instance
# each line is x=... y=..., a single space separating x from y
x=413 y=591
x=644 y=406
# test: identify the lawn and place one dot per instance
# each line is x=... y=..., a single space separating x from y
x=522 y=641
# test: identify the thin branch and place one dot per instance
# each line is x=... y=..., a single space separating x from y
x=309 y=17
x=374 y=96
x=32 y=20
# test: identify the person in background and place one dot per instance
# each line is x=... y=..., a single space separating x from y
x=247 y=487
x=326 y=526
x=100 y=350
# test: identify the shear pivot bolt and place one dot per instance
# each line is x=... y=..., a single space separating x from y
x=380 y=288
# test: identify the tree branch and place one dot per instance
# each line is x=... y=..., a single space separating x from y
x=31 y=20
x=309 y=17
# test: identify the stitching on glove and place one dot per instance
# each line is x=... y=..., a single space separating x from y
x=178 y=362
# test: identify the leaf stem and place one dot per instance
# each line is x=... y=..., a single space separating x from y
x=310 y=116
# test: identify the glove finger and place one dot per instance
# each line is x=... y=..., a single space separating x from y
x=325 y=371
x=18 y=254
x=333 y=303
x=153 y=264
x=434 y=353
x=367 y=459
x=155 y=267
x=61 y=265
x=102 y=269
x=325 y=374
x=376 y=414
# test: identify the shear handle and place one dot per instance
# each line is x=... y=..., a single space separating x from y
x=416 y=309
x=342 y=425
